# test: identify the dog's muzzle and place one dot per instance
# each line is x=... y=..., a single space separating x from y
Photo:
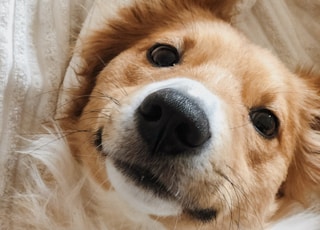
x=165 y=137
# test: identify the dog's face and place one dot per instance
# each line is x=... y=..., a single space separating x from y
x=191 y=119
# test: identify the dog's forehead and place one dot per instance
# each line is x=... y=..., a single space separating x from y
x=197 y=33
x=216 y=44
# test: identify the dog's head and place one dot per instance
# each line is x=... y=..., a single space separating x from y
x=186 y=118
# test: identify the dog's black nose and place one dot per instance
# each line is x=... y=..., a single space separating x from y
x=171 y=122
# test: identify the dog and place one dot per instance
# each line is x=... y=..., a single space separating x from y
x=179 y=122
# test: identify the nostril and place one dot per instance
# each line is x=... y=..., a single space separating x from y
x=150 y=112
x=191 y=136
x=182 y=132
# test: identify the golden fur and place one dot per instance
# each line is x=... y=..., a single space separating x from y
x=251 y=181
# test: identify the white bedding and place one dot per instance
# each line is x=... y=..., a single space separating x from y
x=290 y=28
x=35 y=38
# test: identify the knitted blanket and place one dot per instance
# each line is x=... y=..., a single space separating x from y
x=35 y=41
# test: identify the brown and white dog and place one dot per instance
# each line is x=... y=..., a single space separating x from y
x=180 y=123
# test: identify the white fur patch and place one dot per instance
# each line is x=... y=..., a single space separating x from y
x=139 y=199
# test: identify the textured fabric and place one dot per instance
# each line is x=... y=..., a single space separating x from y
x=289 y=28
x=35 y=41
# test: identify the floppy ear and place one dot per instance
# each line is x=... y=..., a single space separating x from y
x=303 y=181
x=133 y=23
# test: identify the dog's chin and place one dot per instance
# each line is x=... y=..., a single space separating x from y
x=141 y=190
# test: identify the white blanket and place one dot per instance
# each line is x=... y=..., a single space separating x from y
x=290 y=28
x=35 y=39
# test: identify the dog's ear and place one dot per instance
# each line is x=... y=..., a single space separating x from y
x=303 y=180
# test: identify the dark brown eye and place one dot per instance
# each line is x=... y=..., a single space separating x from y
x=163 y=55
x=265 y=122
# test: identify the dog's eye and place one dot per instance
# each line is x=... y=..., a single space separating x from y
x=265 y=122
x=163 y=55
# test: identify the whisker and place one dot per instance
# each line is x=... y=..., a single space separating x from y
x=239 y=189
x=60 y=136
x=240 y=126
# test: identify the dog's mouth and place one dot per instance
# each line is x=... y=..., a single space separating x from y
x=139 y=175
x=144 y=178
